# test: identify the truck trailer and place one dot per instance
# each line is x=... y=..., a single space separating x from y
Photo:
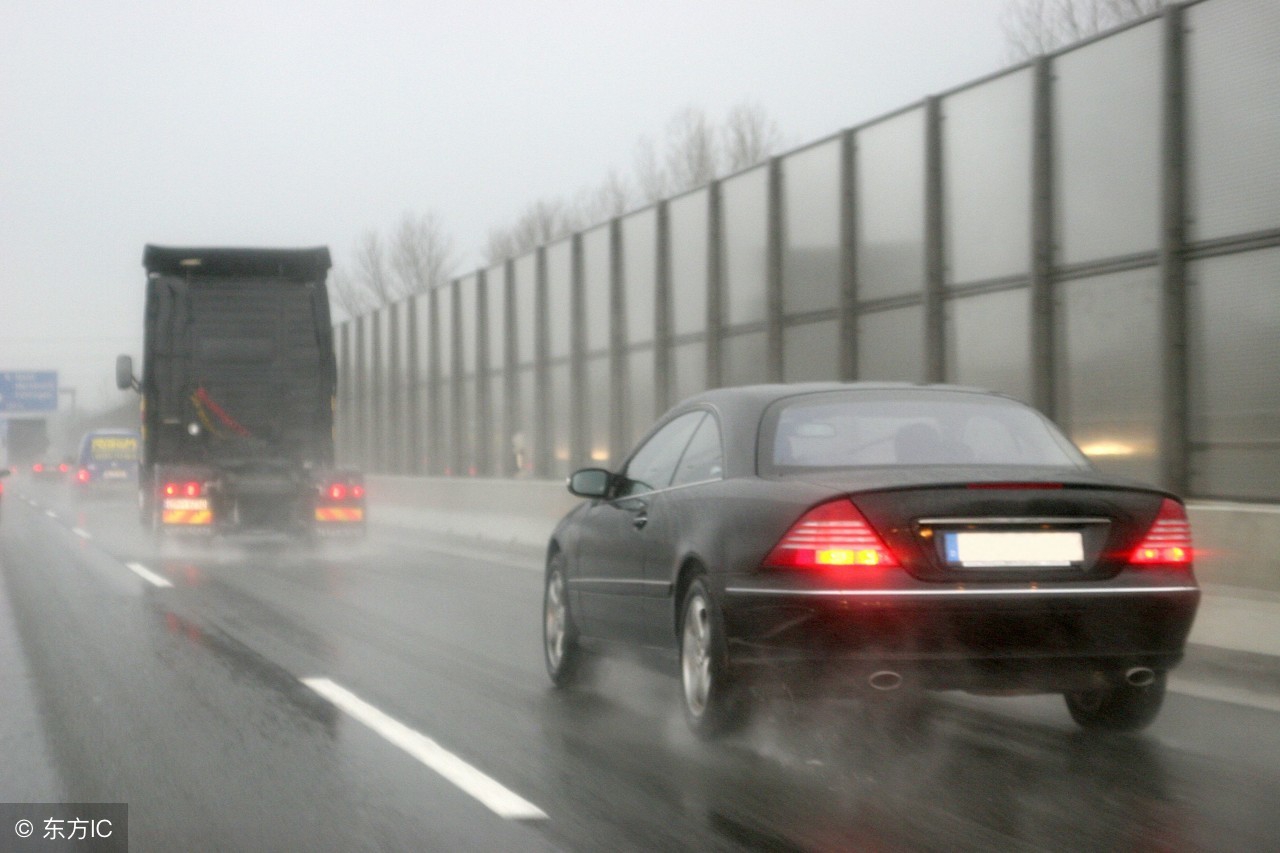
x=238 y=390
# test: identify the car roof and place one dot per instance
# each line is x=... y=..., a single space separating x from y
x=112 y=431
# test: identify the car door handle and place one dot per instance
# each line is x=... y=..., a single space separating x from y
x=640 y=520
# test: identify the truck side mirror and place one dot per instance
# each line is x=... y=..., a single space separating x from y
x=124 y=373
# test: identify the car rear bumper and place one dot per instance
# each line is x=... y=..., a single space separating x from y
x=994 y=637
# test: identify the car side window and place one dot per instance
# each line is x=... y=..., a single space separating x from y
x=654 y=464
x=703 y=459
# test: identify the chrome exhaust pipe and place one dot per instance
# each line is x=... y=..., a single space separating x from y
x=885 y=679
x=1139 y=676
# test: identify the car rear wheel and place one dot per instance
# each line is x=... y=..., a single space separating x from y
x=711 y=704
x=562 y=652
x=1119 y=707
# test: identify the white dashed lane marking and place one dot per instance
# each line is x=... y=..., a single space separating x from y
x=82 y=533
x=499 y=799
x=148 y=575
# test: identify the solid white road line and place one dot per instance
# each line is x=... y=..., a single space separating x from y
x=499 y=799
x=82 y=533
x=148 y=575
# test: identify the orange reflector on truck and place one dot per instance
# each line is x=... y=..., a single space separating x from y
x=339 y=513
x=186 y=516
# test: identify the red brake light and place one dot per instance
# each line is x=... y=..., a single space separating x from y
x=191 y=489
x=338 y=491
x=1168 y=542
x=38 y=467
x=831 y=534
x=170 y=489
x=83 y=475
x=357 y=491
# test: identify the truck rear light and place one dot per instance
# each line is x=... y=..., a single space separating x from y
x=1168 y=542
x=357 y=492
x=831 y=534
x=188 y=489
x=338 y=492
x=83 y=475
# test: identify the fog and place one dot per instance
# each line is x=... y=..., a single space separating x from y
x=300 y=124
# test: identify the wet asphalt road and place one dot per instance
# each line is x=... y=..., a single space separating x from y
x=203 y=705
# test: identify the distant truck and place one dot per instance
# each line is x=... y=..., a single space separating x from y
x=238 y=387
x=27 y=442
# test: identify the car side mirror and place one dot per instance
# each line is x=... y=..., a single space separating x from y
x=124 y=373
x=590 y=482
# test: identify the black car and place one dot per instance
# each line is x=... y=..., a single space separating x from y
x=867 y=536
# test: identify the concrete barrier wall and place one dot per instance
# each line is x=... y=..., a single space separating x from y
x=1236 y=544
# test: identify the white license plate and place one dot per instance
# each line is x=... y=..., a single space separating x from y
x=1006 y=549
x=115 y=474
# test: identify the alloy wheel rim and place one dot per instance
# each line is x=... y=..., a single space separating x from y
x=696 y=657
x=555 y=619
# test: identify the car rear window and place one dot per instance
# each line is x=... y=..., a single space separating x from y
x=876 y=428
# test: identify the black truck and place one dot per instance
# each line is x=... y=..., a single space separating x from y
x=238 y=388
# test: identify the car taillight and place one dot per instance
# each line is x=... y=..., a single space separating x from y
x=83 y=475
x=831 y=534
x=64 y=468
x=1169 y=539
x=38 y=467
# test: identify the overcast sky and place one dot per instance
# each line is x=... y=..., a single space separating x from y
x=308 y=123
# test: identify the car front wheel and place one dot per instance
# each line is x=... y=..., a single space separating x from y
x=560 y=636
x=711 y=704
x=1119 y=707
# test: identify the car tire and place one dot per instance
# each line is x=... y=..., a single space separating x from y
x=1119 y=707
x=560 y=647
x=713 y=705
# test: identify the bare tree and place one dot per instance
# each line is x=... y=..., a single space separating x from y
x=1034 y=27
x=353 y=299
x=421 y=254
x=749 y=137
x=695 y=151
x=609 y=199
x=372 y=271
x=693 y=155
x=540 y=223
x=652 y=179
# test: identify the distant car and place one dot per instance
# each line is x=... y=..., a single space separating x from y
x=46 y=470
x=866 y=536
x=108 y=459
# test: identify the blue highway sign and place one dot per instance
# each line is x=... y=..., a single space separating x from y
x=24 y=391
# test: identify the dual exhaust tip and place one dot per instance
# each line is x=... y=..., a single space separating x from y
x=887 y=679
